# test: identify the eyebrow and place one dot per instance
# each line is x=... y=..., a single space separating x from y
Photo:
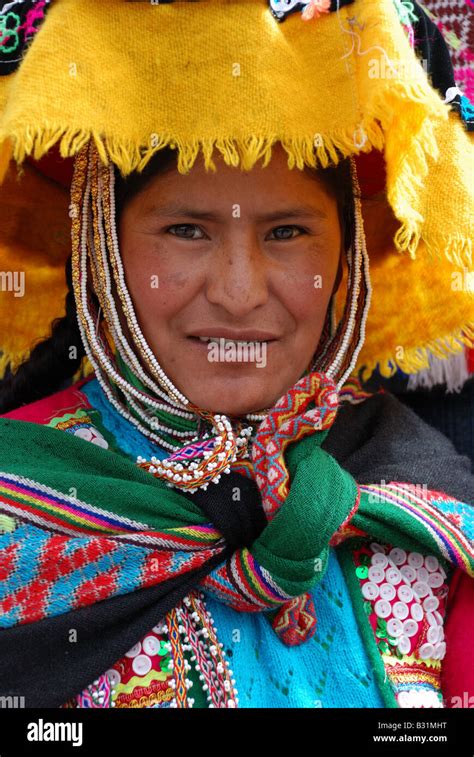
x=299 y=211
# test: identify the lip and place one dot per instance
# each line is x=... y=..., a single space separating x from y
x=236 y=336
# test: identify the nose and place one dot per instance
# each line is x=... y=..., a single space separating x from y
x=237 y=277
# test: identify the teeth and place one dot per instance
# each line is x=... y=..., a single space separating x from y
x=227 y=341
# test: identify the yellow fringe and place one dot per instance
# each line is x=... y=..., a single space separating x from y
x=417 y=359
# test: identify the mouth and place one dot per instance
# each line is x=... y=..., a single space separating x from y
x=205 y=340
x=243 y=339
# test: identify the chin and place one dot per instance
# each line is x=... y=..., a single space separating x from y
x=234 y=401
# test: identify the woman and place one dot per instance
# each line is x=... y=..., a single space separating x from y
x=246 y=526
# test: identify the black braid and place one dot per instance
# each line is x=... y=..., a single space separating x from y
x=50 y=363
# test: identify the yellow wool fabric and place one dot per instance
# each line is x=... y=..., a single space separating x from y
x=226 y=76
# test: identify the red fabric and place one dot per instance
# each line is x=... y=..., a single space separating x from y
x=457 y=673
x=42 y=411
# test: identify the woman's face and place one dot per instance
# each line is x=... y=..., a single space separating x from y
x=247 y=256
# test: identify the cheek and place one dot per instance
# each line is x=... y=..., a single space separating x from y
x=306 y=288
x=158 y=287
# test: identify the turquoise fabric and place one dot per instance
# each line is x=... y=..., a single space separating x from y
x=330 y=670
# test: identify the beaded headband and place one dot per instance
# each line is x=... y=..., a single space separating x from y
x=96 y=264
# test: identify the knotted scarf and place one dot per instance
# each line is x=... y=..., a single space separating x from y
x=82 y=524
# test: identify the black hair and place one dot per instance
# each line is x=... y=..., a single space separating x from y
x=54 y=361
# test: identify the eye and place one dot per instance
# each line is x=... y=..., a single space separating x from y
x=184 y=227
x=291 y=228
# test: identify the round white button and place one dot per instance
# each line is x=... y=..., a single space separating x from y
x=421 y=589
x=382 y=608
x=442 y=648
x=113 y=676
x=376 y=574
x=400 y=610
x=404 y=644
x=387 y=591
x=398 y=555
x=375 y=547
x=430 y=617
x=431 y=603
x=136 y=649
x=410 y=627
x=370 y=590
x=438 y=616
x=408 y=572
x=415 y=560
x=433 y=634
x=379 y=559
x=426 y=651
x=416 y=611
x=394 y=627
x=393 y=576
x=141 y=665
x=151 y=645
x=435 y=580
x=422 y=574
x=431 y=563
x=405 y=593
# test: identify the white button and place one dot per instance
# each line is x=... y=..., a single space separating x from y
x=382 y=608
x=113 y=676
x=370 y=590
x=431 y=563
x=377 y=547
x=442 y=651
x=387 y=591
x=141 y=665
x=408 y=572
x=416 y=611
x=438 y=616
x=376 y=574
x=404 y=699
x=151 y=645
x=442 y=571
x=136 y=649
x=440 y=633
x=437 y=651
x=398 y=555
x=410 y=627
x=393 y=576
x=435 y=580
x=400 y=610
x=405 y=593
x=433 y=634
x=415 y=560
x=430 y=617
x=404 y=644
x=159 y=629
x=422 y=574
x=421 y=589
x=426 y=651
x=379 y=559
x=394 y=627
x=431 y=603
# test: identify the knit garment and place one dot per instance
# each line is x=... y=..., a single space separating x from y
x=268 y=673
x=128 y=616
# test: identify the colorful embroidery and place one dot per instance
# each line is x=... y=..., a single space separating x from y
x=79 y=424
x=154 y=672
x=405 y=599
x=19 y=22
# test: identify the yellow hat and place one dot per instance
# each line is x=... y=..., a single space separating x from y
x=228 y=77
